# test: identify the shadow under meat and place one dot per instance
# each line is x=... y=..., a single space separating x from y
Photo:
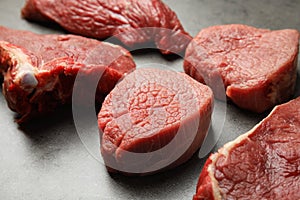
x=150 y=183
x=40 y=128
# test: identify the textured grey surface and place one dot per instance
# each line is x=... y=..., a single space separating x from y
x=46 y=159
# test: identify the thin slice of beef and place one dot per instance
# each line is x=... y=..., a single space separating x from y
x=257 y=66
x=153 y=120
x=260 y=164
x=102 y=19
x=39 y=70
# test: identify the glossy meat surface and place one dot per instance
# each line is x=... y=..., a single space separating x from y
x=261 y=164
x=257 y=66
x=39 y=70
x=102 y=19
x=151 y=109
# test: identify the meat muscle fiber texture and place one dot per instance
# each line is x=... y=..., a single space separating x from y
x=39 y=70
x=153 y=120
x=257 y=66
x=260 y=164
x=102 y=19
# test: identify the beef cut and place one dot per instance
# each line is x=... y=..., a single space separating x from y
x=260 y=164
x=153 y=120
x=39 y=70
x=102 y=19
x=257 y=66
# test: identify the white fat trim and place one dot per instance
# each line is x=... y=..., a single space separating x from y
x=24 y=70
x=112 y=45
x=225 y=151
x=211 y=172
x=228 y=146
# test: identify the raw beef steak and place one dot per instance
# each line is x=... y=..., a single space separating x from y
x=39 y=70
x=102 y=19
x=257 y=66
x=261 y=164
x=153 y=120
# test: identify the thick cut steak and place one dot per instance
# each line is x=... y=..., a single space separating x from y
x=261 y=164
x=102 y=19
x=39 y=70
x=257 y=66
x=153 y=120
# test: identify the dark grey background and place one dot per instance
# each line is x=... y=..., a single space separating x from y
x=46 y=159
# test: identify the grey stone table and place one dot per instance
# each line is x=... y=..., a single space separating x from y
x=46 y=158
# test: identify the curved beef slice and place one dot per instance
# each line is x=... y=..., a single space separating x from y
x=153 y=120
x=260 y=164
x=102 y=19
x=257 y=66
x=39 y=70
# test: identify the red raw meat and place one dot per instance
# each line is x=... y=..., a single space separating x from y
x=151 y=109
x=260 y=164
x=102 y=19
x=258 y=66
x=39 y=70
